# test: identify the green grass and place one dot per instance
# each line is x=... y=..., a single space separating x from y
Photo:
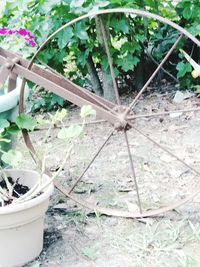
x=159 y=244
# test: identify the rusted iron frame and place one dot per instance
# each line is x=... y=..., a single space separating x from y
x=133 y=171
x=66 y=94
x=131 y=105
x=153 y=75
x=122 y=213
x=69 y=124
x=164 y=113
x=39 y=75
x=104 y=103
x=133 y=117
x=138 y=12
x=127 y=214
x=62 y=81
x=131 y=160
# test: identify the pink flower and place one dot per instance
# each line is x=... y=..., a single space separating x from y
x=3 y=31
x=22 y=32
x=11 y=31
x=27 y=35
x=32 y=43
x=31 y=35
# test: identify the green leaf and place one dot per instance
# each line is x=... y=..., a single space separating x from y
x=25 y=121
x=70 y=132
x=41 y=120
x=62 y=114
x=80 y=31
x=4 y=123
x=116 y=71
x=13 y=129
x=118 y=43
x=82 y=57
x=104 y=62
x=64 y=37
x=56 y=99
x=58 y=116
x=183 y=68
x=128 y=62
x=140 y=37
x=86 y=111
x=187 y=12
x=122 y=26
x=12 y=157
x=130 y=47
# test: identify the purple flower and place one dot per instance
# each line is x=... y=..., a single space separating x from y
x=22 y=32
x=11 y=31
x=27 y=35
x=3 y=31
x=31 y=35
x=32 y=43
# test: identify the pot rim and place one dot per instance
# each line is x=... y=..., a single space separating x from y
x=29 y=203
x=10 y=100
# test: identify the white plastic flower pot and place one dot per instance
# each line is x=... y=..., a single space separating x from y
x=9 y=109
x=9 y=102
x=22 y=225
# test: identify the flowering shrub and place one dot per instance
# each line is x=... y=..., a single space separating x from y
x=27 y=35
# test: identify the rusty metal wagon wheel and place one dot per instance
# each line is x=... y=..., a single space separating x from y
x=121 y=118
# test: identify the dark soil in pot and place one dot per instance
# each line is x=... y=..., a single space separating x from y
x=18 y=190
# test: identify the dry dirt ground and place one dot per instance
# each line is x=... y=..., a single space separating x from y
x=76 y=237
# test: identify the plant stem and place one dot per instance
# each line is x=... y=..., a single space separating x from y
x=37 y=189
x=8 y=184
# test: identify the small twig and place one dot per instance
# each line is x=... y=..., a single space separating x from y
x=162 y=68
x=13 y=186
x=2 y=202
x=8 y=184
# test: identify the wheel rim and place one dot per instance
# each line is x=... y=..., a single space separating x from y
x=126 y=112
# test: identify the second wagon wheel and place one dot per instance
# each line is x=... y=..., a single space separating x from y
x=149 y=164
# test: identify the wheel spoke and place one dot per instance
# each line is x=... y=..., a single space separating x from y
x=133 y=171
x=166 y=150
x=153 y=75
x=110 y=61
x=92 y=160
x=162 y=113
